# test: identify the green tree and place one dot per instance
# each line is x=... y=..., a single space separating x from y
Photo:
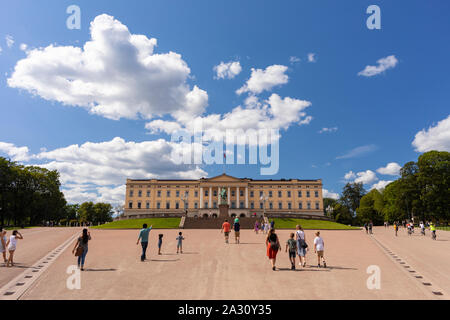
x=351 y=196
x=371 y=208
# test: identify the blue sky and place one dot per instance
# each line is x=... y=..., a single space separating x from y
x=379 y=116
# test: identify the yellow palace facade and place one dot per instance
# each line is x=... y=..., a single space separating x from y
x=201 y=198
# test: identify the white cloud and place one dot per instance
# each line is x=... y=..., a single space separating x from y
x=381 y=184
x=227 y=70
x=312 y=57
x=328 y=194
x=23 y=46
x=434 y=138
x=1 y=50
x=97 y=171
x=366 y=177
x=333 y=129
x=294 y=59
x=383 y=65
x=358 y=151
x=116 y=75
x=16 y=153
x=9 y=41
x=349 y=175
x=273 y=113
x=261 y=80
x=392 y=169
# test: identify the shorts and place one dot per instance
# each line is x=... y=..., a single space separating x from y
x=320 y=253
x=301 y=251
x=236 y=233
x=272 y=254
x=227 y=233
x=292 y=254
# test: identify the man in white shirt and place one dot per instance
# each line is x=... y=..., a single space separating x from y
x=319 y=246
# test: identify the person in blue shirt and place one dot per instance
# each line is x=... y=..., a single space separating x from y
x=237 y=228
x=143 y=236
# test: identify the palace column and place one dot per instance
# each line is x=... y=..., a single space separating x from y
x=201 y=197
x=246 y=197
x=229 y=197
x=210 y=198
x=237 y=197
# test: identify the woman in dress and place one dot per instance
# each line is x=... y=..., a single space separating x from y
x=301 y=245
x=3 y=241
x=273 y=246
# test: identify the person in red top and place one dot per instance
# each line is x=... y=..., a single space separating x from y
x=226 y=227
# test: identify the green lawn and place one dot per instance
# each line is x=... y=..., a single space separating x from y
x=444 y=228
x=290 y=223
x=158 y=223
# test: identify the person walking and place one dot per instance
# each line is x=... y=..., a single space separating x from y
x=301 y=245
x=160 y=237
x=319 y=247
x=422 y=228
x=226 y=229
x=256 y=227
x=81 y=247
x=396 y=228
x=292 y=245
x=272 y=224
x=366 y=226
x=370 y=227
x=273 y=246
x=433 y=230
x=3 y=241
x=12 y=246
x=143 y=237
x=180 y=239
x=237 y=230
x=266 y=227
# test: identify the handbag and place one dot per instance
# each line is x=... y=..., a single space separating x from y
x=79 y=251
x=273 y=245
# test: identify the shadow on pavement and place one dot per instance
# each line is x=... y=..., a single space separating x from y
x=162 y=260
x=110 y=269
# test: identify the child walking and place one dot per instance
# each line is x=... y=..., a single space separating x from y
x=12 y=245
x=319 y=246
x=160 y=236
x=180 y=239
x=292 y=245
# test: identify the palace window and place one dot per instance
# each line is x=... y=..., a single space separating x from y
x=206 y=193
x=130 y=205
x=270 y=205
x=195 y=205
x=140 y=193
x=261 y=205
x=167 y=205
x=241 y=205
x=270 y=194
x=300 y=205
x=131 y=193
x=289 y=205
x=215 y=193
x=317 y=206
x=252 y=194
x=289 y=194
x=233 y=205
x=168 y=194
x=177 y=205
x=280 y=205
x=158 y=205
x=139 y=205
x=147 y=205
x=307 y=194
x=159 y=193
x=308 y=205
x=148 y=193
x=260 y=194
x=214 y=205
x=252 y=205
x=241 y=193
x=177 y=193
x=316 y=194
x=206 y=205
x=299 y=194
x=232 y=193
x=279 y=194
x=196 y=194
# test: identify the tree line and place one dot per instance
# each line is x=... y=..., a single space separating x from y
x=422 y=191
x=30 y=195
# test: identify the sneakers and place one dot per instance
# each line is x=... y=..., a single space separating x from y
x=293 y=267
x=318 y=266
x=324 y=264
x=273 y=268
x=304 y=265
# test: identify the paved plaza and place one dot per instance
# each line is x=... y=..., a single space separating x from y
x=412 y=267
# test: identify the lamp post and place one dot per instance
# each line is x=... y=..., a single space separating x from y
x=184 y=199
x=264 y=198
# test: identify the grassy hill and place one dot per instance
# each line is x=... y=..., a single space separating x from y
x=158 y=223
x=290 y=223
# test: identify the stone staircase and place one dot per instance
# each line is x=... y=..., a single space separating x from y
x=216 y=223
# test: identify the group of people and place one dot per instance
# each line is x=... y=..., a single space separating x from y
x=263 y=226
x=368 y=227
x=296 y=244
x=143 y=238
x=9 y=245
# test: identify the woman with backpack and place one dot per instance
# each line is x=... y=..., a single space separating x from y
x=273 y=246
x=81 y=247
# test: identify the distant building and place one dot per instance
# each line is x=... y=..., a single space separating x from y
x=245 y=197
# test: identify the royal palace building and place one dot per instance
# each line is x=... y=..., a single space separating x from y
x=244 y=196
